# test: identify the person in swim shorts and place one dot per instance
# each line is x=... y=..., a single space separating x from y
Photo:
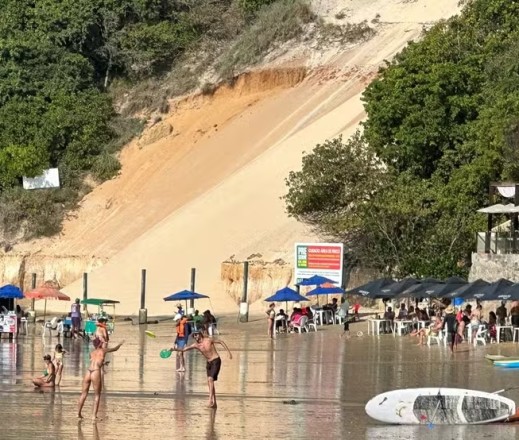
x=206 y=346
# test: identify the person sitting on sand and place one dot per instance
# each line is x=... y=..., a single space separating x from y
x=93 y=376
x=47 y=380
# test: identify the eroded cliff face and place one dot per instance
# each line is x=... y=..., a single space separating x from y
x=264 y=278
x=17 y=268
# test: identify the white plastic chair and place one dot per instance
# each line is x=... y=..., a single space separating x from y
x=481 y=335
x=311 y=323
x=303 y=325
x=212 y=329
x=53 y=324
x=440 y=338
x=338 y=319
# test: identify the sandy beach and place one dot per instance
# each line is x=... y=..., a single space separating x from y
x=294 y=387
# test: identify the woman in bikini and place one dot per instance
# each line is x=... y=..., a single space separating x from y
x=49 y=374
x=93 y=375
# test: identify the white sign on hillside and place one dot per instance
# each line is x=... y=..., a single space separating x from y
x=49 y=179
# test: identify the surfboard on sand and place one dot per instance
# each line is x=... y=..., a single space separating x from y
x=439 y=406
x=500 y=357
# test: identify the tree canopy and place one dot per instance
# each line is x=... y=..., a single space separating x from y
x=443 y=119
x=57 y=61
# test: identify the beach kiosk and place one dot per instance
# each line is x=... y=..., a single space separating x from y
x=102 y=304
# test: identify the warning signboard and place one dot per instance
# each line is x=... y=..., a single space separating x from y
x=325 y=259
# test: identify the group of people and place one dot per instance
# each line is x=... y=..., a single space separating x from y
x=186 y=325
x=452 y=321
x=280 y=321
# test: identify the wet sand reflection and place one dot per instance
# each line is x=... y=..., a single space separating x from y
x=296 y=386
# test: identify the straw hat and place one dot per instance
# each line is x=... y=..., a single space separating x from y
x=449 y=309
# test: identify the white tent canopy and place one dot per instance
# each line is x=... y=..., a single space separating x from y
x=500 y=209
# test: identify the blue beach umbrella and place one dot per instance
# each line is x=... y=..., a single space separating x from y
x=10 y=292
x=491 y=292
x=286 y=294
x=316 y=280
x=185 y=295
x=325 y=291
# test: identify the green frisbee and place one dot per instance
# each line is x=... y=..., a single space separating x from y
x=164 y=354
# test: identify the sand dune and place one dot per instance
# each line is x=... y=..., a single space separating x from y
x=212 y=188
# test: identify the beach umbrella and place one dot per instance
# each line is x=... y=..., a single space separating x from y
x=185 y=295
x=512 y=293
x=448 y=286
x=10 y=292
x=490 y=292
x=374 y=289
x=46 y=292
x=322 y=290
x=467 y=290
x=325 y=291
x=315 y=280
x=400 y=286
x=419 y=290
x=286 y=294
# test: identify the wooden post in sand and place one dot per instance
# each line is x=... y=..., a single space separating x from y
x=193 y=277
x=244 y=306
x=143 y=312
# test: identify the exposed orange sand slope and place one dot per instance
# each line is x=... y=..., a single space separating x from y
x=194 y=199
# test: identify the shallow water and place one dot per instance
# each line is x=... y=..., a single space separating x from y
x=297 y=386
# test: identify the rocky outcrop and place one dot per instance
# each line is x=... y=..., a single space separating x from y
x=18 y=268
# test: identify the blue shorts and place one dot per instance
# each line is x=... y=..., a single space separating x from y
x=181 y=343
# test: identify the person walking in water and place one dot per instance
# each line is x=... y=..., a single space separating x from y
x=93 y=376
x=206 y=346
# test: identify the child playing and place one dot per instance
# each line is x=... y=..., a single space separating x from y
x=57 y=359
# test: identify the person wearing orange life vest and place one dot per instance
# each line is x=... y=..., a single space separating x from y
x=183 y=331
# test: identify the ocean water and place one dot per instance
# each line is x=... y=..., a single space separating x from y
x=293 y=387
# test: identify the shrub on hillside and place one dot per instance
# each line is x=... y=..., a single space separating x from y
x=281 y=22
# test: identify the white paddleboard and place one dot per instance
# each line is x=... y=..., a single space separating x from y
x=439 y=406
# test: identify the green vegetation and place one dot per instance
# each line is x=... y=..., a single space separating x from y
x=63 y=64
x=443 y=120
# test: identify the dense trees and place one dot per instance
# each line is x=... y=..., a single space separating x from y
x=57 y=61
x=443 y=118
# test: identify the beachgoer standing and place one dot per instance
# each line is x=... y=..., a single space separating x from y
x=93 y=376
x=271 y=317
x=183 y=331
x=49 y=374
x=451 y=324
x=75 y=316
x=206 y=346
x=58 y=362
x=501 y=313
x=343 y=313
